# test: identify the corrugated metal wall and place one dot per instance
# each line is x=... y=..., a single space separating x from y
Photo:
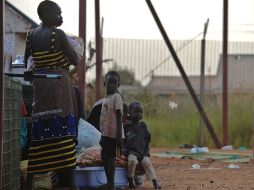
x=152 y=65
x=151 y=57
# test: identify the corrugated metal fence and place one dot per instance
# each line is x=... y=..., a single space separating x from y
x=151 y=63
x=151 y=57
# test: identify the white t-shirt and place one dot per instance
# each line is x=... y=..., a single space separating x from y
x=108 y=124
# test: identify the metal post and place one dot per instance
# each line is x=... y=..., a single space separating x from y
x=2 y=14
x=98 y=50
x=202 y=84
x=225 y=74
x=82 y=34
x=185 y=78
x=101 y=39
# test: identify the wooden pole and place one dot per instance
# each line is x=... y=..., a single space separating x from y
x=2 y=14
x=98 y=50
x=184 y=76
x=225 y=74
x=202 y=84
x=82 y=34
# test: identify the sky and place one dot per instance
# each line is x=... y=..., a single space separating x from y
x=132 y=19
x=182 y=19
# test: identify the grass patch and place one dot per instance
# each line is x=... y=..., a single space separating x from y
x=172 y=126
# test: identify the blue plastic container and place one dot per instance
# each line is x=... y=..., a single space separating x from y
x=93 y=177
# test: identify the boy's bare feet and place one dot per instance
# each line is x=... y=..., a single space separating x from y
x=131 y=183
x=156 y=184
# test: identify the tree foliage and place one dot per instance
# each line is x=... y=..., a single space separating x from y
x=127 y=76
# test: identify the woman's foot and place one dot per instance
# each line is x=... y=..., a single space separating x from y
x=106 y=187
x=103 y=187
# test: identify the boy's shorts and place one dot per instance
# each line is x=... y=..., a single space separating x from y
x=108 y=146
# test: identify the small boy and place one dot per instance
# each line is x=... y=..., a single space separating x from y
x=137 y=139
x=111 y=126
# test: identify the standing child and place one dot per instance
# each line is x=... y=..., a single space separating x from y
x=111 y=126
x=137 y=139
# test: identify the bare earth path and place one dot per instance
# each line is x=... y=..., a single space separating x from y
x=177 y=174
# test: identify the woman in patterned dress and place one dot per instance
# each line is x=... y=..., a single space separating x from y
x=54 y=113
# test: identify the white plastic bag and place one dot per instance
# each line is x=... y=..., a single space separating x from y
x=228 y=147
x=77 y=44
x=30 y=64
x=88 y=136
x=199 y=150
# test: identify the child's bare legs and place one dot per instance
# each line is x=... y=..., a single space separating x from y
x=132 y=163
x=150 y=173
x=156 y=184
x=108 y=157
x=109 y=166
x=138 y=179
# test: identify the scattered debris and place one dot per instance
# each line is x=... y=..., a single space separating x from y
x=195 y=166
x=242 y=148
x=172 y=105
x=186 y=146
x=211 y=156
x=199 y=150
x=233 y=166
x=228 y=147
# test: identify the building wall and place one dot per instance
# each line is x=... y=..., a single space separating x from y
x=16 y=27
x=150 y=60
x=240 y=78
x=20 y=43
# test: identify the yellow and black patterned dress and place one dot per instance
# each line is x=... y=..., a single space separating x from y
x=54 y=113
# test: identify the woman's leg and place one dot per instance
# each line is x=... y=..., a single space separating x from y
x=29 y=181
x=66 y=179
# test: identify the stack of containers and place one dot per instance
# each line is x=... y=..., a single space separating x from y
x=11 y=134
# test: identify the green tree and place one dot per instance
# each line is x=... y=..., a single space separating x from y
x=127 y=76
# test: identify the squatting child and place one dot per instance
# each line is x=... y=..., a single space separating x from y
x=137 y=139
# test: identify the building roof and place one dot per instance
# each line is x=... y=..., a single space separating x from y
x=152 y=57
x=240 y=78
x=153 y=66
x=28 y=19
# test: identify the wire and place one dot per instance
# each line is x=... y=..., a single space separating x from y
x=160 y=64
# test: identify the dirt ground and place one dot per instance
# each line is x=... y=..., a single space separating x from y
x=177 y=174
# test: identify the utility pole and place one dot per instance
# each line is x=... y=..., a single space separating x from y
x=2 y=14
x=225 y=74
x=98 y=50
x=202 y=84
x=82 y=34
